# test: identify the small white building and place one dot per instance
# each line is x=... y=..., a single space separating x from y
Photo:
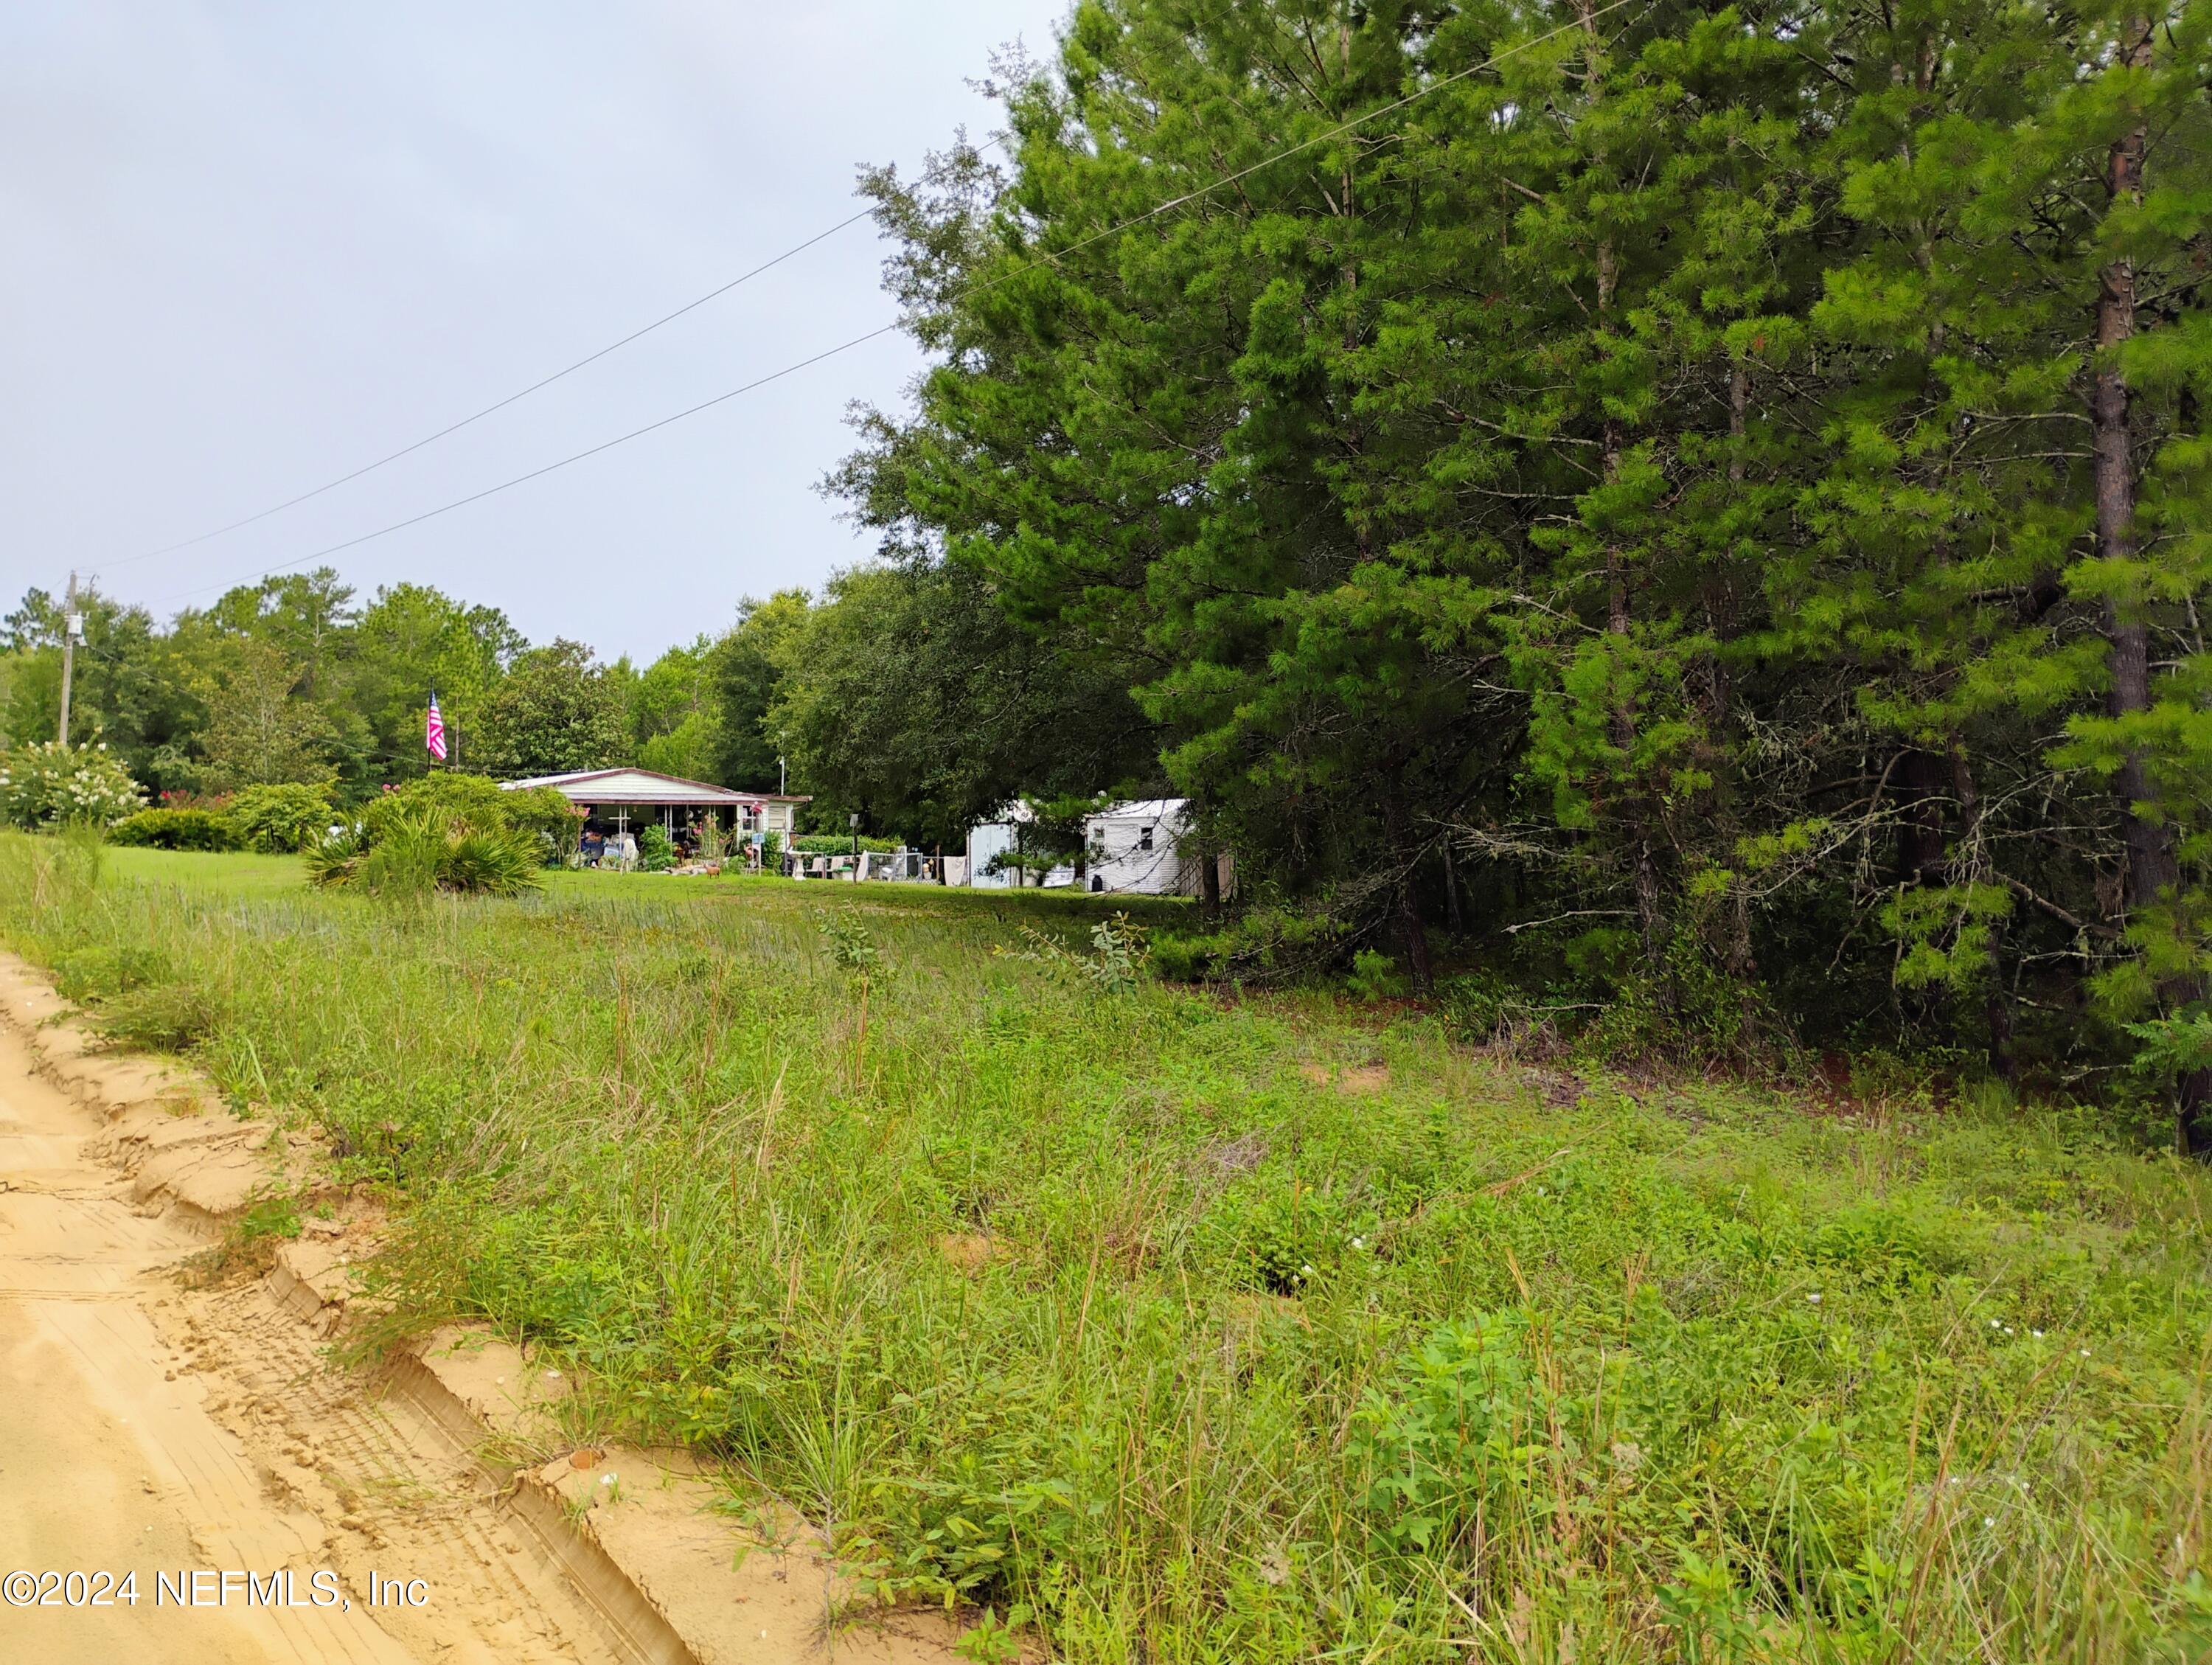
x=1135 y=849
x=991 y=838
x=1129 y=850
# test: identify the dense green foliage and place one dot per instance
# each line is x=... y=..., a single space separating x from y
x=461 y=833
x=910 y=697
x=1249 y=1331
x=406 y=856
x=537 y=812
x=276 y=819
x=555 y=711
x=177 y=830
x=655 y=852
x=1705 y=499
x=286 y=681
x=1698 y=507
x=835 y=844
x=747 y=669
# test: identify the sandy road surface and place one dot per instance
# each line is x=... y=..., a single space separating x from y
x=147 y=1428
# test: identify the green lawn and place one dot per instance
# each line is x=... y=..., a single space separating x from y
x=263 y=876
x=275 y=876
x=1195 y=1328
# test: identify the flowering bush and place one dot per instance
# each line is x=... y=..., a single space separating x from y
x=51 y=784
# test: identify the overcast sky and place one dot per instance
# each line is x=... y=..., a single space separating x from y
x=249 y=248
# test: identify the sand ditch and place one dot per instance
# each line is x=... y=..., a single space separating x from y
x=208 y=1426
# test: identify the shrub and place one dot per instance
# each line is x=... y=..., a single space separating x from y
x=655 y=854
x=402 y=862
x=407 y=854
x=1266 y=944
x=279 y=819
x=186 y=797
x=1374 y=976
x=1114 y=965
x=838 y=844
x=1264 y=1238
x=98 y=974
x=50 y=784
x=480 y=802
x=333 y=859
x=1448 y=1442
x=174 y=830
x=497 y=863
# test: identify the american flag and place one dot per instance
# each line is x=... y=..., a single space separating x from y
x=434 y=732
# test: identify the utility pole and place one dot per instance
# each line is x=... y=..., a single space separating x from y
x=72 y=629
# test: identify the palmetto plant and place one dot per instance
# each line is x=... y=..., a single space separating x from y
x=428 y=850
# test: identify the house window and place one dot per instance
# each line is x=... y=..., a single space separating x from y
x=1144 y=839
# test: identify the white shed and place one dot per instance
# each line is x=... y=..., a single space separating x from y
x=990 y=839
x=1133 y=848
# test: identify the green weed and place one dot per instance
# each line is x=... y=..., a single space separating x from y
x=1262 y=1361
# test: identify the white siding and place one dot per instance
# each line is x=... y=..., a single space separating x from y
x=1135 y=849
x=991 y=838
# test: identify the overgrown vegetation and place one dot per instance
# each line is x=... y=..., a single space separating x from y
x=279 y=819
x=1227 y=1330
x=1708 y=501
x=447 y=832
x=169 y=828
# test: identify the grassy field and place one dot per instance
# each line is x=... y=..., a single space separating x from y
x=272 y=876
x=236 y=875
x=1189 y=1329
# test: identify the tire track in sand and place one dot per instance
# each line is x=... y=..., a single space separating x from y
x=144 y=1426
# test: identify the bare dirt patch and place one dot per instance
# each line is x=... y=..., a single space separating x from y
x=151 y=1421
x=148 y=1427
x=1360 y=1080
x=971 y=1251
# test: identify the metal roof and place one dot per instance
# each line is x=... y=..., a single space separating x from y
x=644 y=785
x=1143 y=809
x=1154 y=810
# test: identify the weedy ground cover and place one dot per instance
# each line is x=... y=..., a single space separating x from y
x=1191 y=1328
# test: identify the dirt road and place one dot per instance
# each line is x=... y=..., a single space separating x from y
x=149 y=1430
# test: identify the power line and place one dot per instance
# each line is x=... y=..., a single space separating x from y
x=501 y=405
x=522 y=479
x=1114 y=230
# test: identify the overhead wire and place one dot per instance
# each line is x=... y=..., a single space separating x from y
x=497 y=405
x=1172 y=204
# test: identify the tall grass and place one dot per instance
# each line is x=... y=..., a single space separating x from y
x=1123 y=1312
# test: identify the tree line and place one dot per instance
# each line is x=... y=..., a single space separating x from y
x=1706 y=500
x=903 y=694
